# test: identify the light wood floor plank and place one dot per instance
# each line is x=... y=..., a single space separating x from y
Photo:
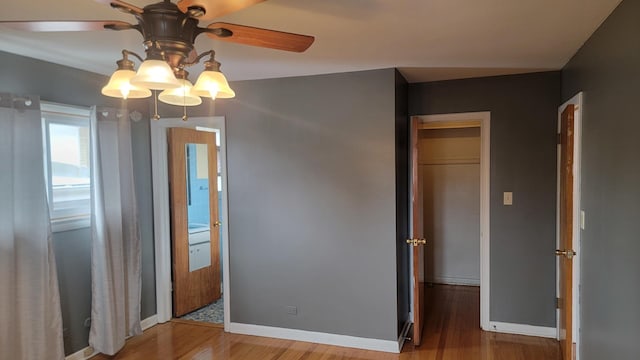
x=452 y=332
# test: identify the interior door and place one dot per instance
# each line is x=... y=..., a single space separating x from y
x=195 y=244
x=417 y=240
x=565 y=251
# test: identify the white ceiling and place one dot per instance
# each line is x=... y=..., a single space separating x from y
x=427 y=39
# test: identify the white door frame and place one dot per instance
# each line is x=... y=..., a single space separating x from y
x=577 y=101
x=161 y=210
x=485 y=188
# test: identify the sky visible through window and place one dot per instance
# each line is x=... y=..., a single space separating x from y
x=69 y=155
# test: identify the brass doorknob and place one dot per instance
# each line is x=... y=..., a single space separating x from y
x=416 y=242
x=217 y=223
x=569 y=254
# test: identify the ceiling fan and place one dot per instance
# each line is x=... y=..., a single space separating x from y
x=173 y=28
x=169 y=31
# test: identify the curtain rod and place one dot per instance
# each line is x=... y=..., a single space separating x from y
x=7 y=100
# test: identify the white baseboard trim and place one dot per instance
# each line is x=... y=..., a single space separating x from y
x=521 y=329
x=390 y=346
x=403 y=334
x=88 y=352
x=83 y=354
x=149 y=322
x=455 y=281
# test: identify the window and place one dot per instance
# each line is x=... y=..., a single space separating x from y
x=66 y=138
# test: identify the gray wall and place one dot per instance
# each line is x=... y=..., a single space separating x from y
x=73 y=260
x=55 y=83
x=607 y=69
x=311 y=164
x=523 y=160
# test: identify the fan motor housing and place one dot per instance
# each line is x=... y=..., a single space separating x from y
x=167 y=29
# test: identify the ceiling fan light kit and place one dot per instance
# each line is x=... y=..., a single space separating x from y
x=169 y=31
x=183 y=95
x=155 y=75
x=212 y=82
x=119 y=84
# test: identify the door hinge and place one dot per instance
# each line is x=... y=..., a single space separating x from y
x=559 y=139
x=558 y=303
x=172 y=286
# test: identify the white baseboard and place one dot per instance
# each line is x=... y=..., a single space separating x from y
x=149 y=322
x=83 y=354
x=390 y=346
x=88 y=352
x=521 y=329
x=455 y=281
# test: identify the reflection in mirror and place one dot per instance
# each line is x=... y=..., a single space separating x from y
x=198 y=211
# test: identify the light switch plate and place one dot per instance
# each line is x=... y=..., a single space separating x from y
x=582 y=219
x=507 y=198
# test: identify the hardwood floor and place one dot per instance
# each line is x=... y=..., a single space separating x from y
x=452 y=331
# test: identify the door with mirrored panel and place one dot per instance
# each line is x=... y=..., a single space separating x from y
x=195 y=242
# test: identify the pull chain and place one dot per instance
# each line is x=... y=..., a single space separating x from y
x=156 y=116
x=184 y=98
x=184 y=104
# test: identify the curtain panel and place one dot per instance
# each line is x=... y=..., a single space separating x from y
x=30 y=315
x=116 y=249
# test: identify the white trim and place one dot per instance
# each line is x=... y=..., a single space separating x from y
x=390 y=346
x=83 y=354
x=88 y=351
x=485 y=205
x=72 y=223
x=577 y=100
x=149 y=322
x=522 y=329
x=448 y=280
x=161 y=213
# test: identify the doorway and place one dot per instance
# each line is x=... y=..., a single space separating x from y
x=449 y=163
x=462 y=121
x=164 y=256
x=570 y=222
x=195 y=224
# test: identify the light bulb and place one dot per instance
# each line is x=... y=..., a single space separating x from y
x=125 y=88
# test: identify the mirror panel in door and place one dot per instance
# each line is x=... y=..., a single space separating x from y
x=198 y=214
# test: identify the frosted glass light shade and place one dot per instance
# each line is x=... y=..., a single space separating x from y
x=119 y=86
x=156 y=75
x=213 y=84
x=181 y=96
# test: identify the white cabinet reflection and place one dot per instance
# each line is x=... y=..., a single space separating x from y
x=198 y=207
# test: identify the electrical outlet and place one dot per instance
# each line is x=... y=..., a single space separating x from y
x=291 y=310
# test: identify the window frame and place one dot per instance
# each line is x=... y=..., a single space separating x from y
x=78 y=216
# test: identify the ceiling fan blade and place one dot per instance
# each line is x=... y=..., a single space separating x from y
x=52 y=26
x=216 y=8
x=122 y=5
x=272 y=39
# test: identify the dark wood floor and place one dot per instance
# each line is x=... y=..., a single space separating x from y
x=452 y=331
